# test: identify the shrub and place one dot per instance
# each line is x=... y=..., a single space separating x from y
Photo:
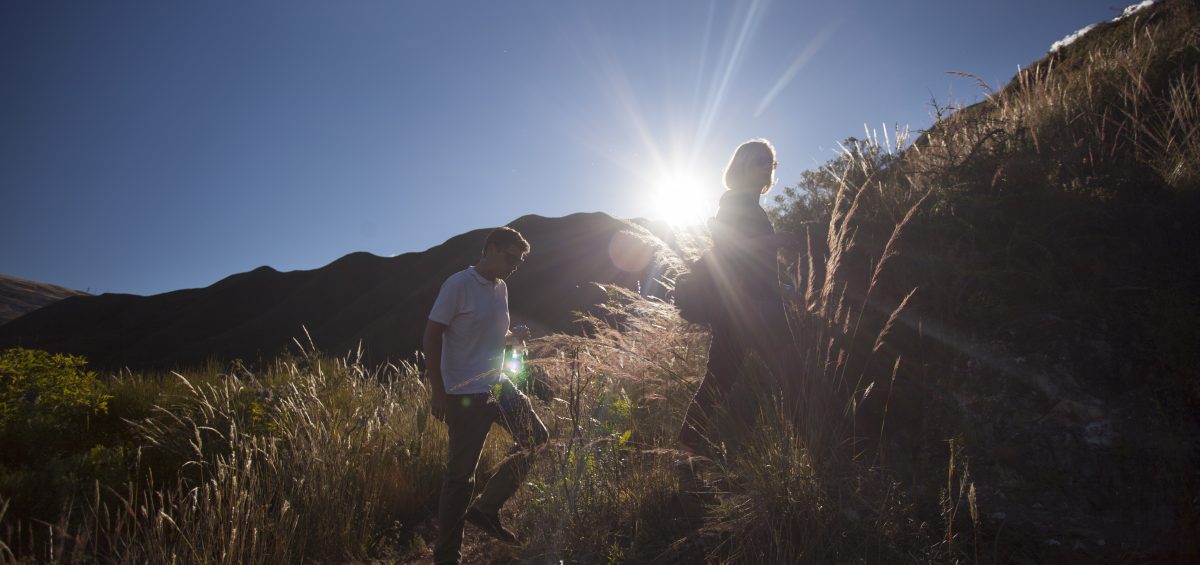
x=46 y=392
x=49 y=447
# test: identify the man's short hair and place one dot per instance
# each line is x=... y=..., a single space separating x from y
x=504 y=237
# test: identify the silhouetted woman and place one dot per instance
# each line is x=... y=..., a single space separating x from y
x=747 y=318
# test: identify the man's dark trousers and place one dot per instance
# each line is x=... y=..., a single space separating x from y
x=468 y=419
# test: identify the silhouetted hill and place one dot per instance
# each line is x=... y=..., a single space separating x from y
x=20 y=296
x=381 y=302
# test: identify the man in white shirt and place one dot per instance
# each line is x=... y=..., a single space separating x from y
x=464 y=345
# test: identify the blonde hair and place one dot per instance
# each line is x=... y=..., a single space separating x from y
x=752 y=167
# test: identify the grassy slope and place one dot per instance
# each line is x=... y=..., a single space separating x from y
x=1055 y=323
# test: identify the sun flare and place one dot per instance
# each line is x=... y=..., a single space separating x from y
x=680 y=200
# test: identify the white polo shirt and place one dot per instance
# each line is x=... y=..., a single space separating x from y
x=475 y=311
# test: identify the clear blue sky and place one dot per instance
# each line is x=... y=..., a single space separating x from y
x=152 y=146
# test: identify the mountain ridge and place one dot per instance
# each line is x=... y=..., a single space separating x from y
x=20 y=296
x=358 y=299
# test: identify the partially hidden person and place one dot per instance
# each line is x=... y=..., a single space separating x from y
x=746 y=315
x=464 y=345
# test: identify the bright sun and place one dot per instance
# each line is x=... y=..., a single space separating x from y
x=679 y=200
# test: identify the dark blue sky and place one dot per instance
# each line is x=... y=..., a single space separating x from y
x=151 y=146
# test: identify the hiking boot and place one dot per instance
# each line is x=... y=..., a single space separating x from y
x=490 y=525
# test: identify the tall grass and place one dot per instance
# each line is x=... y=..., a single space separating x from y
x=606 y=487
x=314 y=461
x=315 y=458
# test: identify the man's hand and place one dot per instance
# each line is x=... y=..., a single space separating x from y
x=437 y=404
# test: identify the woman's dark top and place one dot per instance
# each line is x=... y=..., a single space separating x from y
x=745 y=252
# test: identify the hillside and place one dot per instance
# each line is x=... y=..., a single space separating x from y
x=379 y=303
x=19 y=296
x=1052 y=334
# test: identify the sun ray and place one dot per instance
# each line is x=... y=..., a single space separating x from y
x=733 y=58
x=798 y=64
x=665 y=157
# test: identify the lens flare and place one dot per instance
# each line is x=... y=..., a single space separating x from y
x=630 y=252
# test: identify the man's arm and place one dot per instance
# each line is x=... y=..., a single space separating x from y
x=432 y=344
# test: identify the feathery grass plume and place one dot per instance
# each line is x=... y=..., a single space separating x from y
x=605 y=485
x=960 y=488
x=609 y=484
x=891 y=322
